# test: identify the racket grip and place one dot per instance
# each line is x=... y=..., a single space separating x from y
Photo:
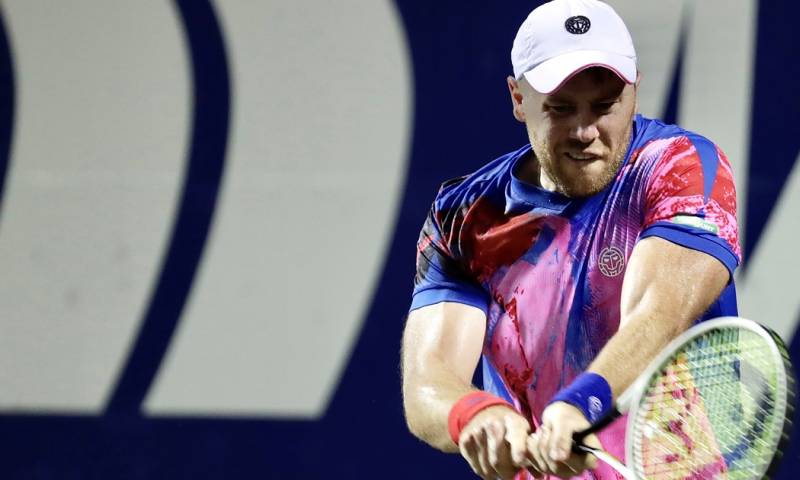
x=609 y=417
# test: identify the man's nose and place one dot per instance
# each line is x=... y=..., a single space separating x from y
x=585 y=129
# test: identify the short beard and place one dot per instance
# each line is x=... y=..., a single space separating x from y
x=580 y=187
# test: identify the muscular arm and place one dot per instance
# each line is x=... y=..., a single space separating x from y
x=441 y=348
x=666 y=288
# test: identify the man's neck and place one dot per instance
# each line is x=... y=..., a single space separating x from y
x=530 y=171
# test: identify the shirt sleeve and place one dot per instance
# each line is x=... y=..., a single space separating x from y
x=441 y=276
x=691 y=200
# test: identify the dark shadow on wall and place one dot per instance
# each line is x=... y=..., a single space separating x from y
x=6 y=105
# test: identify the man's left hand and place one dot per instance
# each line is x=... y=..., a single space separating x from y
x=550 y=446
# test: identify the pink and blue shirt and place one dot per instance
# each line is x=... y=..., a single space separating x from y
x=547 y=269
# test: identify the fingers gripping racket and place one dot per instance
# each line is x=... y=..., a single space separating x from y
x=715 y=404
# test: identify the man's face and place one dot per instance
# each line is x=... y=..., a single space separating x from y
x=580 y=132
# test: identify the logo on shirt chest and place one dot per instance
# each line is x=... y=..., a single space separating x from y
x=611 y=261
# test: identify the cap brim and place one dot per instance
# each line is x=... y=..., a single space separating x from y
x=551 y=74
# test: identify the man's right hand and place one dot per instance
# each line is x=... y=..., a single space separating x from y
x=494 y=443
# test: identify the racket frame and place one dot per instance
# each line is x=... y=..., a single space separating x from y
x=630 y=400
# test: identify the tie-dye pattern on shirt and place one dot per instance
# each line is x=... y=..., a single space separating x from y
x=548 y=270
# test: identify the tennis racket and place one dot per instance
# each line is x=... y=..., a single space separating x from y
x=716 y=403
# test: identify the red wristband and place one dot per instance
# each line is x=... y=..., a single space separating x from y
x=467 y=407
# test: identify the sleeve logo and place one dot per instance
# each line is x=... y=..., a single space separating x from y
x=696 y=222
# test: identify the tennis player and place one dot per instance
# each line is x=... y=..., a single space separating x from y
x=566 y=264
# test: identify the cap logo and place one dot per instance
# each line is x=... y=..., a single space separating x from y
x=577 y=25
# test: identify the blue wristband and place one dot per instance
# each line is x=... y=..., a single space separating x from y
x=590 y=393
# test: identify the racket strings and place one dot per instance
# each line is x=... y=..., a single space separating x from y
x=709 y=413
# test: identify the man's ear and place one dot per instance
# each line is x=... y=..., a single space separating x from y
x=516 y=98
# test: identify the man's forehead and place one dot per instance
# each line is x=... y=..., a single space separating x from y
x=593 y=84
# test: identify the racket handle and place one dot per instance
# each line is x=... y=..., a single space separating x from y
x=609 y=417
x=608 y=459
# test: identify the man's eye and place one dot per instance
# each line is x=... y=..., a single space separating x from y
x=604 y=107
x=560 y=108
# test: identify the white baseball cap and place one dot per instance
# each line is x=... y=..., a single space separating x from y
x=564 y=37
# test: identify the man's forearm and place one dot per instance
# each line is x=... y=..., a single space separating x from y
x=441 y=348
x=427 y=400
x=633 y=348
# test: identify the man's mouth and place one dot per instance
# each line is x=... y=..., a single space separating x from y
x=582 y=157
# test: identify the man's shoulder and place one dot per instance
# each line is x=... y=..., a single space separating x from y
x=488 y=180
x=655 y=138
